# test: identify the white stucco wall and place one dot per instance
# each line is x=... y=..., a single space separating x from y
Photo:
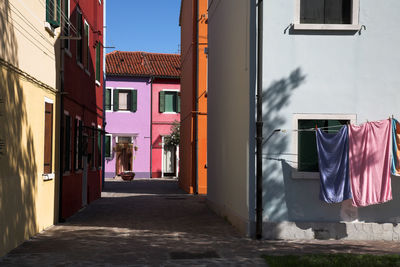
x=230 y=109
x=325 y=72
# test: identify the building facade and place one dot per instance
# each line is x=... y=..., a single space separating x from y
x=193 y=146
x=29 y=117
x=136 y=122
x=82 y=104
x=317 y=67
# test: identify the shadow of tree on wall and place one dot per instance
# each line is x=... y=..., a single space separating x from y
x=275 y=99
x=18 y=170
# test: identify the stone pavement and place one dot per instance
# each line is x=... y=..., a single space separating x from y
x=153 y=223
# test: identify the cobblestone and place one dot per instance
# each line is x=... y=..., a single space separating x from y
x=153 y=223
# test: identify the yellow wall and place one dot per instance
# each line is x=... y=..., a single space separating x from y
x=28 y=68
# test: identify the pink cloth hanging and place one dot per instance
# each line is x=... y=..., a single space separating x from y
x=369 y=162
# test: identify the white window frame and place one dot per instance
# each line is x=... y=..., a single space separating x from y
x=88 y=46
x=312 y=116
x=354 y=26
x=68 y=50
x=112 y=99
x=169 y=90
x=111 y=145
x=70 y=154
x=50 y=176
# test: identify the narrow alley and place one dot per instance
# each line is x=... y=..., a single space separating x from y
x=153 y=222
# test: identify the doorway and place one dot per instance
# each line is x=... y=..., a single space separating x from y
x=169 y=159
x=124 y=154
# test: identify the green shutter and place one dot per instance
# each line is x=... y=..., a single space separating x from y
x=53 y=12
x=115 y=99
x=108 y=99
x=134 y=101
x=162 y=101
x=98 y=61
x=107 y=148
x=178 y=108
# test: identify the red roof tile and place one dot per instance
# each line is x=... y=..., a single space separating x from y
x=143 y=64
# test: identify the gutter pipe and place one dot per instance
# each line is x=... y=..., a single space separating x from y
x=195 y=4
x=61 y=128
x=259 y=126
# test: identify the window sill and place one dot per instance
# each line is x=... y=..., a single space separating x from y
x=49 y=29
x=168 y=112
x=305 y=175
x=80 y=64
x=87 y=72
x=328 y=27
x=67 y=173
x=48 y=176
x=98 y=83
x=78 y=171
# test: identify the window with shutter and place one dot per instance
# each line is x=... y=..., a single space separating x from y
x=86 y=51
x=80 y=146
x=53 y=12
x=67 y=143
x=76 y=144
x=108 y=99
x=66 y=23
x=48 y=137
x=99 y=151
x=79 y=43
x=98 y=65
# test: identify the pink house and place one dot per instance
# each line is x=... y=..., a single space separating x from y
x=165 y=113
x=143 y=103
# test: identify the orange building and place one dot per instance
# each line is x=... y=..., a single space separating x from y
x=193 y=144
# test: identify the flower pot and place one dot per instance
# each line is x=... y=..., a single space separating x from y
x=127 y=176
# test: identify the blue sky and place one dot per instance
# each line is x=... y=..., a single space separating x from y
x=143 y=25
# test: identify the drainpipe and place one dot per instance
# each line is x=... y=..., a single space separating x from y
x=259 y=125
x=195 y=93
x=151 y=128
x=103 y=147
x=61 y=141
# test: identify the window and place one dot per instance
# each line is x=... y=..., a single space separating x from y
x=108 y=99
x=53 y=12
x=66 y=23
x=78 y=144
x=86 y=51
x=169 y=101
x=99 y=158
x=124 y=139
x=305 y=141
x=124 y=100
x=48 y=138
x=79 y=43
x=98 y=62
x=108 y=144
x=67 y=143
x=327 y=14
x=92 y=147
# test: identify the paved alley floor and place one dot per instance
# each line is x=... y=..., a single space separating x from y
x=153 y=223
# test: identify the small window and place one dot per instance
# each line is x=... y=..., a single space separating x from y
x=108 y=144
x=48 y=138
x=78 y=144
x=53 y=12
x=79 y=43
x=169 y=101
x=305 y=163
x=124 y=100
x=67 y=143
x=307 y=144
x=124 y=139
x=327 y=14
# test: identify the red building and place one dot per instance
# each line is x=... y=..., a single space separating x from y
x=81 y=105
